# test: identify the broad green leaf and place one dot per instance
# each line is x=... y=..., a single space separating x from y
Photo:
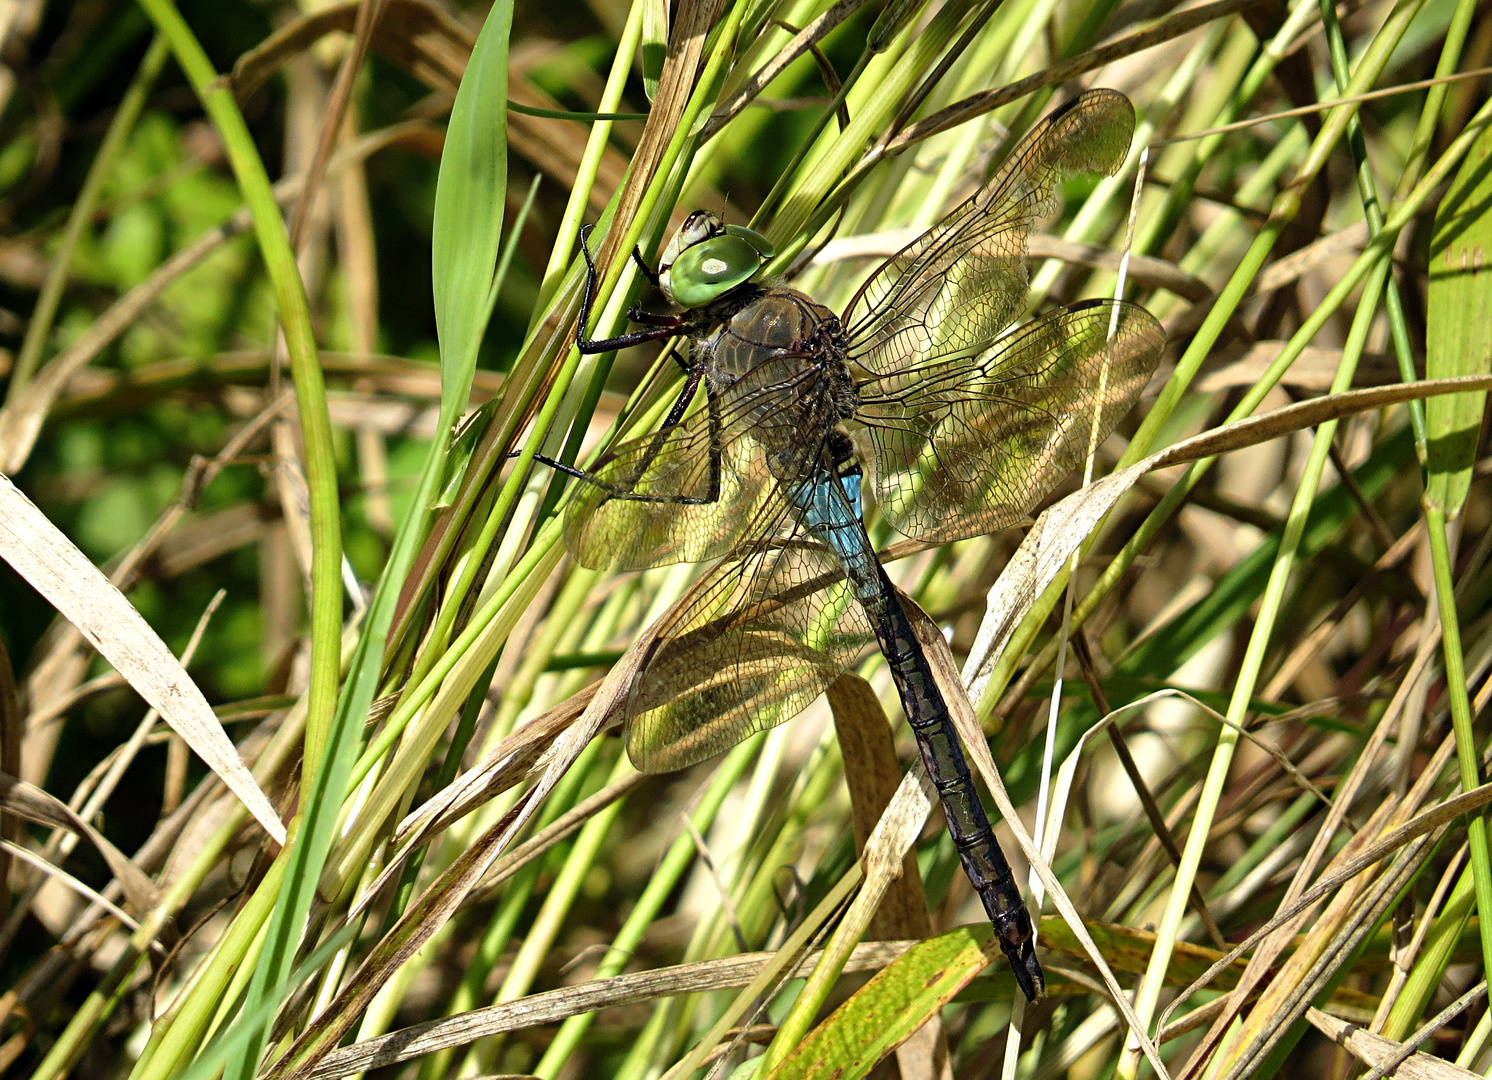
x=1459 y=334
x=889 y=1008
x=469 y=195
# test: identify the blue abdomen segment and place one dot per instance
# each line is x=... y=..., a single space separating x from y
x=833 y=513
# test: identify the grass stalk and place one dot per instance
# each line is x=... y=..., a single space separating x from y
x=80 y=217
x=1148 y=994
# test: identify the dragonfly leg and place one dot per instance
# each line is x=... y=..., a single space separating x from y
x=646 y=270
x=660 y=332
x=614 y=489
x=648 y=318
x=672 y=420
x=624 y=489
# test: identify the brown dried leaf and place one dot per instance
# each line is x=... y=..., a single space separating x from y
x=1374 y=1050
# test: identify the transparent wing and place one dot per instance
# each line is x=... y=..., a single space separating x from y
x=687 y=493
x=752 y=645
x=958 y=285
x=968 y=444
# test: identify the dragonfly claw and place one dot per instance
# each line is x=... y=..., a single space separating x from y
x=1026 y=969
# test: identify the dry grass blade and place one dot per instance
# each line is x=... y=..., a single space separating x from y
x=49 y=561
x=11 y=719
x=1417 y=827
x=504 y=766
x=1375 y=1050
x=33 y=804
x=419 y=36
x=554 y=1005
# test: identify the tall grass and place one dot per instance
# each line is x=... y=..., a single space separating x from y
x=329 y=397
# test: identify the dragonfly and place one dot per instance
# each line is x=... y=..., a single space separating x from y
x=920 y=397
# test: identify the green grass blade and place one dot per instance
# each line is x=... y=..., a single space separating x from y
x=1458 y=337
x=1459 y=331
x=469 y=197
x=300 y=343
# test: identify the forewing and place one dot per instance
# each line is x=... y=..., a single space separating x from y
x=750 y=646
x=689 y=492
x=953 y=289
x=969 y=444
x=700 y=489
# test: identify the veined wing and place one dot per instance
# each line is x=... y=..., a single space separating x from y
x=685 y=493
x=749 y=647
x=958 y=285
x=967 y=445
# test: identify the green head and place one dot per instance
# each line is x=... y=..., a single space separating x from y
x=706 y=259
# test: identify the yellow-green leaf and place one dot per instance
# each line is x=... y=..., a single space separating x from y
x=470 y=191
x=654 y=43
x=1459 y=334
x=889 y=1008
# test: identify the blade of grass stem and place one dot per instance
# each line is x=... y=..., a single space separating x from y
x=661 y=883
x=1148 y=994
x=294 y=314
x=494 y=444
x=1429 y=967
x=279 y=260
x=563 y=251
x=1460 y=704
x=439 y=696
x=87 y=1020
x=565 y=887
x=81 y=215
x=518 y=893
x=1457 y=340
x=1373 y=212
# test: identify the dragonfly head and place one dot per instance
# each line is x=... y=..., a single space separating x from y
x=706 y=259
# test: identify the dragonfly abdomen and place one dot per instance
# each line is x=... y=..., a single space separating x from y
x=937 y=741
x=831 y=511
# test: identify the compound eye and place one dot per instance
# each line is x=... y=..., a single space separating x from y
x=710 y=269
x=754 y=238
x=698 y=227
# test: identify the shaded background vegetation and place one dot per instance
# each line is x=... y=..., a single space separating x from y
x=123 y=439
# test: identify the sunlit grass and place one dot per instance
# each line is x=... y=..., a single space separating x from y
x=479 y=849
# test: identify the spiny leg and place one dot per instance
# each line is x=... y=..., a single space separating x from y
x=675 y=416
x=673 y=327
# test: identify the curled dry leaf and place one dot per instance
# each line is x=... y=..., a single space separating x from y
x=32 y=803
x=54 y=567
